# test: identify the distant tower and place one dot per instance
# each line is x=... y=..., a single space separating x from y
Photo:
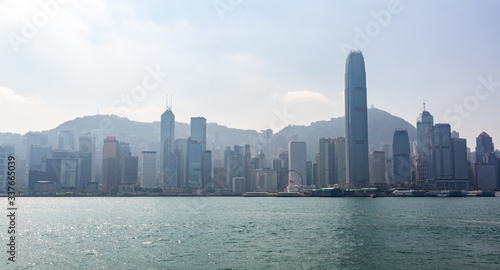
x=401 y=157
x=199 y=131
x=234 y=164
x=148 y=175
x=377 y=168
x=440 y=161
x=110 y=177
x=194 y=164
x=356 y=120
x=340 y=168
x=168 y=157
x=5 y=152
x=206 y=171
x=66 y=140
x=424 y=121
x=484 y=144
x=297 y=160
x=86 y=144
x=326 y=158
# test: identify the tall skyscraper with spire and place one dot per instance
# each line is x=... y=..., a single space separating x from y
x=168 y=157
x=356 y=121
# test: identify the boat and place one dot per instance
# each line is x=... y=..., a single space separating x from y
x=403 y=193
x=256 y=194
x=443 y=194
x=373 y=196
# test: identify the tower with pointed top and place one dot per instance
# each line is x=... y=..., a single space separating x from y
x=356 y=120
x=424 y=121
x=168 y=157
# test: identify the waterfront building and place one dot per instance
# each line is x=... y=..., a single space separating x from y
x=181 y=154
x=424 y=121
x=356 y=119
x=129 y=172
x=265 y=180
x=168 y=157
x=401 y=157
x=326 y=162
x=248 y=167
x=206 y=171
x=484 y=144
x=377 y=168
x=148 y=172
x=87 y=144
x=234 y=164
x=340 y=167
x=194 y=164
x=5 y=152
x=486 y=176
x=36 y=164
x=238 y=185
x=297 y=161
x=447 y=159
x=110 y=164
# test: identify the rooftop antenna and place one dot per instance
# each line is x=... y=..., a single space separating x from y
x=424 y=104
x=171 y=101
x=169 y=106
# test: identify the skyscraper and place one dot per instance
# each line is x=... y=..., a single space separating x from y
x=340 y=162
x=66 y=140
x=297 y=161
x=234 y=164
x=199 y=131
x=206 y=171
x=194 y=164
x=484 y=144
x=438 y=141
x=424 y=121
x=168 y=157
x=356 y=120
x=110 y=171
x=86 y=144
x=129 y=171
x=377 y=168
x=148 y=179
x=326 y=158
x=5 y=152
x=460 y=164
x=181 y=152
x=447 y=158
x=401 y=157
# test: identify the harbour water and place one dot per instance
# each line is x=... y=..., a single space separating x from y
x=256 y=233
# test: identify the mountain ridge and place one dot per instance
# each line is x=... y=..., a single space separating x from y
x=381 y=126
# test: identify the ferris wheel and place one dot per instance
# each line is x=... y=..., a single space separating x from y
x=291 y=181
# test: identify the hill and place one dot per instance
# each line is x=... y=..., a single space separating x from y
x=142 y=136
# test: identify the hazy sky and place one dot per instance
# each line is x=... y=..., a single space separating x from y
x=247 y=64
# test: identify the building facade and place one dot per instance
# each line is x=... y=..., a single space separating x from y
x=356 y=117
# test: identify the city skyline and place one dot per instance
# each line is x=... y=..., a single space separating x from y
x=92 y=76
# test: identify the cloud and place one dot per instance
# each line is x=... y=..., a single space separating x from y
x=305 y=106
x=306 y=97
x=21 y=114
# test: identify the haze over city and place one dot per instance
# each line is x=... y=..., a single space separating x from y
x=239 y=63
x=250 y=134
